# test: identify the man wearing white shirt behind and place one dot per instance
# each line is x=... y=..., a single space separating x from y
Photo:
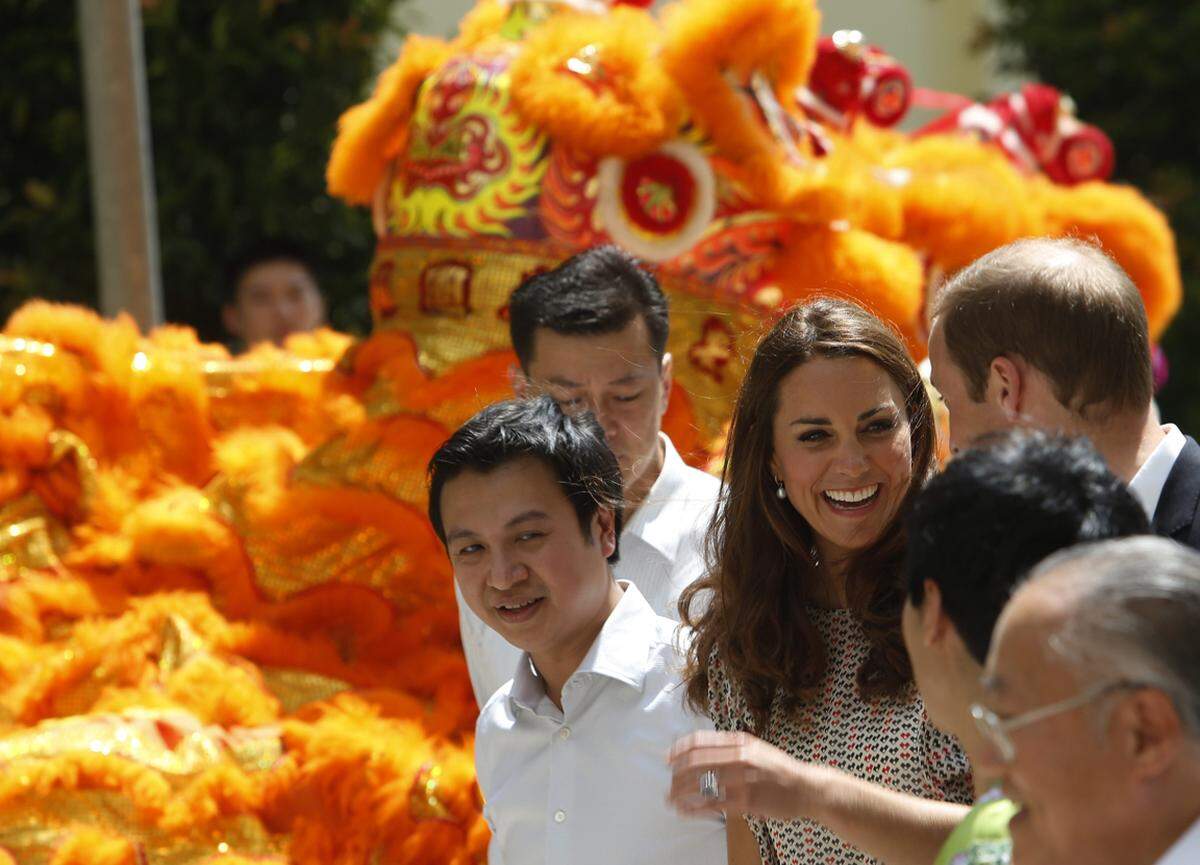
x=1092 y=706
x=592 y=333
x=571 y=753
x=1052 y=334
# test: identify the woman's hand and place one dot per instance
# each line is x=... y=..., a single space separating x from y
x=759 y=779
x=752 y=777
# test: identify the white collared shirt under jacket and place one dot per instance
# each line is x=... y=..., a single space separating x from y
x=588 y=785
x=1148 y=482
x=661 y=552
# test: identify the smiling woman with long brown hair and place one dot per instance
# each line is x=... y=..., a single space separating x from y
x=797 y=653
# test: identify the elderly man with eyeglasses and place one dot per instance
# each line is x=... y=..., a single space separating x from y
x=1092 y=706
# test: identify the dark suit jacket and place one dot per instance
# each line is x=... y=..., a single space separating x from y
x=1178 y=513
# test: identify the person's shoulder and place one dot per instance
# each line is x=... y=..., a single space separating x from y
x=1177 y=514
x=699 y=482
x=1189 y=455
x=691 y=479
x=693 y=502
x=665 y=634
x=666 y=667
x=497 y=713
x=668 y=642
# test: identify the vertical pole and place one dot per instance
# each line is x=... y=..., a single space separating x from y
x=122 y=176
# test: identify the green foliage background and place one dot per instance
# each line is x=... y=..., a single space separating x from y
x=1133 y=69
x=244 y=97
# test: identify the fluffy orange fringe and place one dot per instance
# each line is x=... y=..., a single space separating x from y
x=1130 y=229
x=961 y=199
x=113 y=662
x=93 y=847
x=886 y=277
x=149 y=553
x=372 y=133
x=707 y=39
x=949 y=198
x=349 y=790
x=627 y=107
x=481 y=24
x=353 y=787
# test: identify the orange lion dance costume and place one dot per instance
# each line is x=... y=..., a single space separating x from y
x=228 y=632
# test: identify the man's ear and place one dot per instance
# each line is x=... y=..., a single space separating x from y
x=1150 y=729
x=606 y=528
x=667 y=377
x=1005 y=386
x=520 y=382
x=935 y=624
x=232 y=319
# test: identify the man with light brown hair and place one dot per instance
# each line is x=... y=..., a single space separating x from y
x=1052 y=334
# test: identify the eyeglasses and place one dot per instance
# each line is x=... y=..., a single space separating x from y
x=996 y=729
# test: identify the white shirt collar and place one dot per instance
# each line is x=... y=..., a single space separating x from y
x=1185 y=850
x=1147 y=484
x=670 y=490
x=619 y=651
x=670 y=479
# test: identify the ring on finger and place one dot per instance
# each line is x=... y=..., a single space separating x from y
x=710 y=789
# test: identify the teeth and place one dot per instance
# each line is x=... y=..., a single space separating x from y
x=853 y=496
x=519 y=606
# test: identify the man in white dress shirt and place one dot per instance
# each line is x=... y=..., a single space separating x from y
x=592 y=334
x=571 y=753
x=1092 y=706
x=1052 y=333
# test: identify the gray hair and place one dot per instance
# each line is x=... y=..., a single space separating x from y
x=1135 y=615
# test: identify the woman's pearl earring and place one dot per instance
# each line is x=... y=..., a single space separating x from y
x=780 y=492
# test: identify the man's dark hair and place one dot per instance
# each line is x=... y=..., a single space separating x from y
x=260 y=252
x=571 y=446
x=598 y=291
x=997 y=510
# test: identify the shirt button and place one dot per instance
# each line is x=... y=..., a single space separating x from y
x=564 y=733
x=560 y=816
